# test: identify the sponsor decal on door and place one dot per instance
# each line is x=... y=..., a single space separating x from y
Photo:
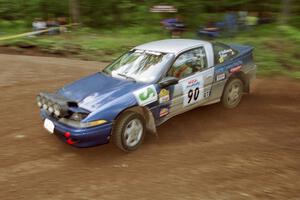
x=164 y=96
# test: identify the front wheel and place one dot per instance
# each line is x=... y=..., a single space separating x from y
x=233 y=93
x=129 y=131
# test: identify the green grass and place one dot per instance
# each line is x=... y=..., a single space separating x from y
x=277 y=48
x=13 y=27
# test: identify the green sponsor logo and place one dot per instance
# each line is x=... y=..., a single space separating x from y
x=147 y=94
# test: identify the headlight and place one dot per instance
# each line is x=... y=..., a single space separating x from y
x=57 y=109
x=78 y=116
x=39 y=101
x=81 y=124
x=95 y=123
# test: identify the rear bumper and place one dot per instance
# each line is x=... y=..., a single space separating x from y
x=80 y=137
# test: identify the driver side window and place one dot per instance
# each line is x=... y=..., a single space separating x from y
x=189 y=63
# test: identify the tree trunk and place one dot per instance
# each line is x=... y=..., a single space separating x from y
x=285 y=11
x=74 y=10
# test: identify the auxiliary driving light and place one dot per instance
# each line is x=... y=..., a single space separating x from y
x=44 y=102
x=45 y=106
x=51 y=109
x=39 y=101
x=57 y=109
x=50 y=106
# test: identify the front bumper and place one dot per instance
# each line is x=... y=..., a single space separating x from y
x=80 y=137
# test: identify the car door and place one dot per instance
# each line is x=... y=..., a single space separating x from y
x=195 y=81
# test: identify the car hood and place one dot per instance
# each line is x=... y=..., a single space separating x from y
x=98 y=89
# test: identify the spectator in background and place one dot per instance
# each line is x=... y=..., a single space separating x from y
x=242 y=15
x=178 y=28
x=53 y=26
x=38 y=24
x=211 y=30
x=175 y=26
x=167 y=23
x=62 y=21
x=251 y=20
x=230 y=23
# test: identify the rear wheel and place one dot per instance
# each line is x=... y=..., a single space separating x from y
x=129 y=131
x=233 y=93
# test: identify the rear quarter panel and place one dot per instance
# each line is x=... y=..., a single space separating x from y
x=242 y=63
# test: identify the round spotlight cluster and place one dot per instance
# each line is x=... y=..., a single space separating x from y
x=49 y=104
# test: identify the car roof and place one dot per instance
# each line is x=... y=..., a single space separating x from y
x=175 y=46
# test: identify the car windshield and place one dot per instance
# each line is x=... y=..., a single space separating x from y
x=139 y=65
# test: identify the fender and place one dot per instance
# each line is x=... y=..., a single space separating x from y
x=147 y=115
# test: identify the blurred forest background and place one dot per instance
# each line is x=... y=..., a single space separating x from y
x=108 y=28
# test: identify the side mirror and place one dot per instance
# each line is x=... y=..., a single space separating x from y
x=167 y=81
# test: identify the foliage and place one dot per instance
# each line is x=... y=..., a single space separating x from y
x=95 y=13
x=111 y=27
x=271 y=56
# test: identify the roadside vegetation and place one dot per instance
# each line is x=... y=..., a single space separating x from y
x=108 y=28
x=277 y=48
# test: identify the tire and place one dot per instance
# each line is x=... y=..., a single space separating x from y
x=232 y=93
x=129 y=131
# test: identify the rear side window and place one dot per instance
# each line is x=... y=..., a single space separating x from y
x=223 y=52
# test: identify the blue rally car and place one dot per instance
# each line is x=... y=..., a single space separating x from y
x=145 y=87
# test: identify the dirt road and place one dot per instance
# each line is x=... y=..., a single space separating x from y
x=252 y=152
